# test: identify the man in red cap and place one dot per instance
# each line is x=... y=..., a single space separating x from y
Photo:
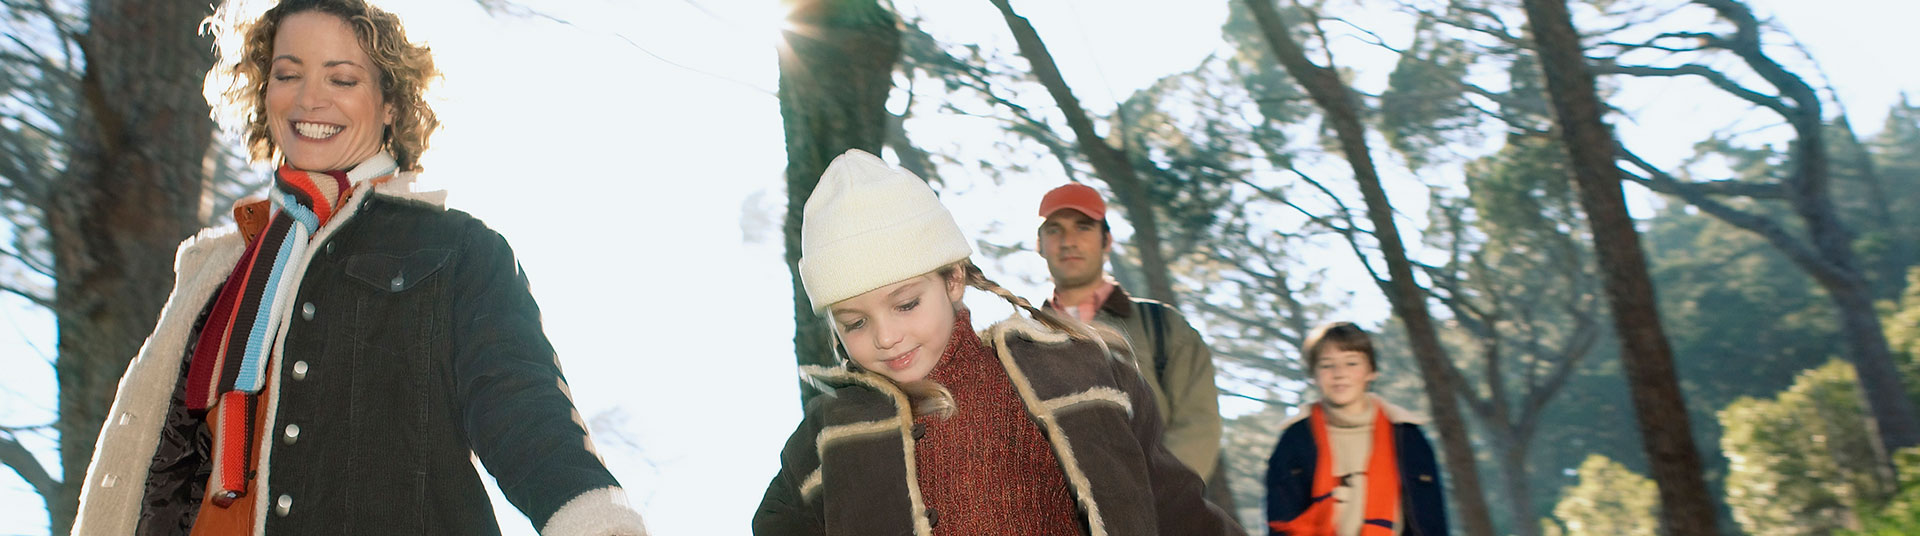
x=1075 y=240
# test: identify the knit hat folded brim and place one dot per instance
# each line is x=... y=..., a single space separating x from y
x=868 y=225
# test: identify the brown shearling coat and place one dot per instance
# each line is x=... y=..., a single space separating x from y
x=849 y=469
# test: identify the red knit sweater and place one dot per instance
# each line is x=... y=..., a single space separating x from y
x=988 y=469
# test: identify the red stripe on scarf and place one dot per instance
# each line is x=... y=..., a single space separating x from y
x=231 y=472
x=210 y=350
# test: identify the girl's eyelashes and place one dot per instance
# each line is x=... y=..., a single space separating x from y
x=909 y=305
x=342 y=82
x=856 y=324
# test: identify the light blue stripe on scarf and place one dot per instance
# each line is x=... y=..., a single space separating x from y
x=252 y=375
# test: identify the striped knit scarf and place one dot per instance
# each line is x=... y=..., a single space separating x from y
x=1383 y=483
x=229 y=363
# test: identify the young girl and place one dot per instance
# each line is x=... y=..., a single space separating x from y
x=1032 y=428
x=1352 y=464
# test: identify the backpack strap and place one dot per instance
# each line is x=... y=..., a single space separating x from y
x=1155 y=316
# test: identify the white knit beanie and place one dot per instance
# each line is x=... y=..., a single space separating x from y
x=869 y=225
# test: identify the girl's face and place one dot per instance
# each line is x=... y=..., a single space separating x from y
x=899 y=330
x=1343 y=376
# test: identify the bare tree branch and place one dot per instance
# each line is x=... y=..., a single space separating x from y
x=33 y=297
x=15 y=455
x=1273 y=403
x=37 y=267
x=1627 y=47
x=1261 y=324
x=1718 y=79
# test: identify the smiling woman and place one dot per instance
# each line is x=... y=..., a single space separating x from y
x=333 y=361
x=323 y=73
x=324 y=103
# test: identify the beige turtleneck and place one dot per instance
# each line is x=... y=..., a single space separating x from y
x=1350 y=435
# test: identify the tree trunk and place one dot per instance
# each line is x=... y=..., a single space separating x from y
x=1408 y=299
x=1513 y=476
x=1109 y=163
x=1890 y=272
x=130 y=194
x=1809 y=190
x=1686 y=507
x=1890 y=412
x=836 y=67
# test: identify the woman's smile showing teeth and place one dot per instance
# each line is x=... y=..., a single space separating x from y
x=319 y=131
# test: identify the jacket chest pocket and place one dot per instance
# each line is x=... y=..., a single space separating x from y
x=396 y=273
x=399 y=335
x=398 y=296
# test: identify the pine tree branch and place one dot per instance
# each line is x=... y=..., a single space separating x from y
x=1796 y=250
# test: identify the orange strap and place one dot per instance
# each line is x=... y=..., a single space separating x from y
x=1383 y=480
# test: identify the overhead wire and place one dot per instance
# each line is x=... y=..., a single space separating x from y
x=734 y=24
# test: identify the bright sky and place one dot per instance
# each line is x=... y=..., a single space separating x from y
x=634 y=159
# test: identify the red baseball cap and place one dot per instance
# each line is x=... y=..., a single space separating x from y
x=1075 y=196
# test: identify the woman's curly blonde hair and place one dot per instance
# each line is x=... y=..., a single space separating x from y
x=246 y=55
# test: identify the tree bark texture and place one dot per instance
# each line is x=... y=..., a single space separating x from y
x=1686 y=506
x=131 y=192
x=1342 y=111
x=1109 y=163
x=836 y=68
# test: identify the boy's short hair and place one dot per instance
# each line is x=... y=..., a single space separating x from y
x=1338 y=336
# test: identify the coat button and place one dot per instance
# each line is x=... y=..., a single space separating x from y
x=399 y=281
x=919 y=431
x=306 y=311
x=292 y=433
x=283 y=505
x=329 y=248
x=933 y=517
x=299 y=370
